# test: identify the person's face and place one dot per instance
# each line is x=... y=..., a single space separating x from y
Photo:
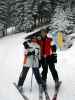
x=44 y=34
x=38 y=37
x=34 y=39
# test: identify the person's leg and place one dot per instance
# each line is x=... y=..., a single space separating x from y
x=54 y=72
x=38 y=78
x=42 y=85
x=37 y=75
x=45 y=70
x=55 y=75
x=23 y=76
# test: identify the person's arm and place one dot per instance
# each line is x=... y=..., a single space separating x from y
x=26 y=45
x=54 y=48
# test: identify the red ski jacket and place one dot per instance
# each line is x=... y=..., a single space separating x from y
x=46 y=48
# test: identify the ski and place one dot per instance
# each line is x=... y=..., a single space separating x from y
x=41 y=97
x=56 y=92
x=40 y=93
x=21 y=93
x=47 y=96
x=34 y=32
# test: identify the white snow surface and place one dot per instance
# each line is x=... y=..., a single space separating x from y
x=11 y=58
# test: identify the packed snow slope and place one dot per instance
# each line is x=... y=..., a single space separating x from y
x=11 y=58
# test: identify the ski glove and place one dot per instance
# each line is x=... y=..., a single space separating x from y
x=54 y=58
x=31 y=53
x=54 y=48
x=26 y=46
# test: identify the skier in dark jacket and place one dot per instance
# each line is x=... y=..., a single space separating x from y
x=48 y=57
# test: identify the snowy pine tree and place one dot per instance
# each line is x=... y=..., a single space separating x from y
x=3 y=13
x=73 y=12
x=24 y=14
x=62 y=20
x=7 y=13
x=20 y=14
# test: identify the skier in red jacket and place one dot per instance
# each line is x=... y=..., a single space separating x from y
x=48 y=57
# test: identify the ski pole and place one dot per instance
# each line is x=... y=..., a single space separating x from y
x=31 y=81
x=32 y=76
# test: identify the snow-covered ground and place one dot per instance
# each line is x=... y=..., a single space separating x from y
x=11 y=58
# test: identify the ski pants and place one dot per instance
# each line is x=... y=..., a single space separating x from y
x=45 y=62
x=36 y=74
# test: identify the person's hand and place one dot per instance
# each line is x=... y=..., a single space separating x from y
x=54 y=55
x=54 y=58
x=38 y=37
x=33 y=52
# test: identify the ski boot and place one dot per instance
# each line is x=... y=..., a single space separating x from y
x=57 y=84
x=46 y=95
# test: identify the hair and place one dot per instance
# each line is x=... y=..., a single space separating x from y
x=45 y=30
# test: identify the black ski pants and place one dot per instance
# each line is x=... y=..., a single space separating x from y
x=36 y=74
x=45 y=62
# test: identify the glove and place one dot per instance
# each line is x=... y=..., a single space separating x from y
x=31 y=53
x=54 y=48
x=25 y=44
x=54 y=58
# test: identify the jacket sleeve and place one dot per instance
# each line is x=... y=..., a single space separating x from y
x=54 y=48
x=30 y=50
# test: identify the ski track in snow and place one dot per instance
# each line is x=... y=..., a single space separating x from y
x=11 y=57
